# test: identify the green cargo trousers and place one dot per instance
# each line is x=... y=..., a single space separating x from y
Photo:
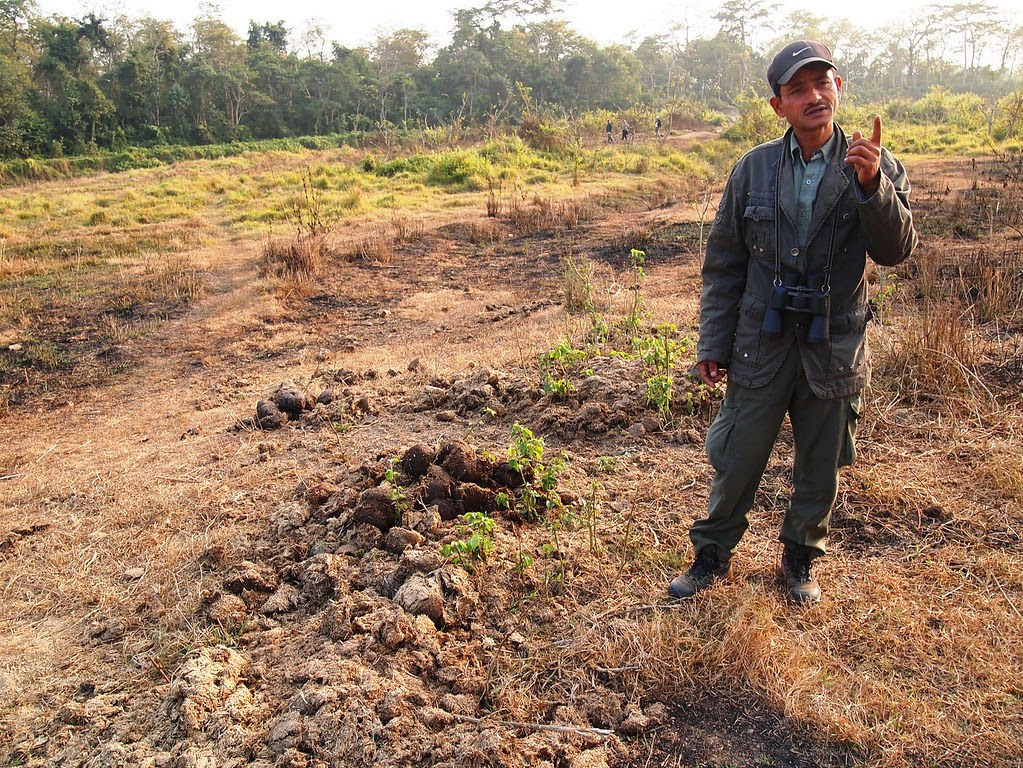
x=739 y=444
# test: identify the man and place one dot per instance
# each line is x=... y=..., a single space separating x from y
x=784 y=310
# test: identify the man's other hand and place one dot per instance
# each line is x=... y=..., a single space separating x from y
x=711 y=372
x=865 y=156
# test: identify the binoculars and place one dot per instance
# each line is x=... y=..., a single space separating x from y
x=797 y=298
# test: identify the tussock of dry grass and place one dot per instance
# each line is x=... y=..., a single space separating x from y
x=407 y=230
x=544 y=213
x=292 y=258
x=376 y=247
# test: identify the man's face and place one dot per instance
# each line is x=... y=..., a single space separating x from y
x=809 y=100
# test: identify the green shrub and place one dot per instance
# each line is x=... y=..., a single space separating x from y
x=1008 y=123
x=714 y=118
x=963 y=111
x=756 y=123
x=410 y=164
x=545 y=134
x=463 y=168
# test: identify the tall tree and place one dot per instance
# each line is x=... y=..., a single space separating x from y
x=67 y=76
x=397 y=59
x=741 y=18
x=14 y=16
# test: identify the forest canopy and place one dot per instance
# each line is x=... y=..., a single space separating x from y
x=89 y=84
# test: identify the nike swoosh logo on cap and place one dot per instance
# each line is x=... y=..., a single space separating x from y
x=801 y=50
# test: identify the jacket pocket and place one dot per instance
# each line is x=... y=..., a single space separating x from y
x=720 y=435
x=758 y=231
x=848 y=353
x=854 y=413
x=748 y=335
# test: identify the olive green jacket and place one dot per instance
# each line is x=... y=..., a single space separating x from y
x=739 y=266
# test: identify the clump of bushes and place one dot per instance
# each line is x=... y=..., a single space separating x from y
x=463 y=168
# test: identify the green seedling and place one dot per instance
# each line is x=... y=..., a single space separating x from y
x=633 y=320
x=475 y=542
x=537 y=496
x=558 y=363
x=399 y=500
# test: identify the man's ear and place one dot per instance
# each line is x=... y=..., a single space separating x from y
x=776 y=106
x=838 y=83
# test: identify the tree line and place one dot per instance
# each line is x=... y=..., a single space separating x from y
x=82 y=85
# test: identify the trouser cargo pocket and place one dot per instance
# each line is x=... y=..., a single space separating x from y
x=720 y=435
x=847 y=455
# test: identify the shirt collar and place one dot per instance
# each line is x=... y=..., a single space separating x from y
x=826 y=150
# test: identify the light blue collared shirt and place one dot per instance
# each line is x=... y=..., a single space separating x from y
x=806 y=179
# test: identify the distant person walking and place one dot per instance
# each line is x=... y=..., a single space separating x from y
x=625 y=132
x=610 y=132
x=657 y=127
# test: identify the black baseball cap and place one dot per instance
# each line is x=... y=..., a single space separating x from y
x=794 y=57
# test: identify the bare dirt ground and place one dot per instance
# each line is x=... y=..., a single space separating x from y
x=182 y=588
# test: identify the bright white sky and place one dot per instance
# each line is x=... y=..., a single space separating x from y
x=357 y=22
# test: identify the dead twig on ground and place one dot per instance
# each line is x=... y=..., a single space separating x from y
x=599 y=732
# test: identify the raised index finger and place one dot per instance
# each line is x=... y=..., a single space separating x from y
x=875 y=137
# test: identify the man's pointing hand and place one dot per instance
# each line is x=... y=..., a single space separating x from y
x=865 y=156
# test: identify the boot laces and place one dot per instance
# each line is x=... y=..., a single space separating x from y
x=707 y=562
x=798 y=563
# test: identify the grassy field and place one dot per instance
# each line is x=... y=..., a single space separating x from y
x=183 y=588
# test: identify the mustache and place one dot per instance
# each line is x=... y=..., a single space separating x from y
x=818 y=105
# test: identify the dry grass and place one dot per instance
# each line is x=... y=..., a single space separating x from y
x=910 y=659
x=375 y=247
x=577 y=289
x=407 y=230
x=990 y=281
x=637 y=236
x=295 y=258
x=543 y=214
x=493 y=205
x=482 y=232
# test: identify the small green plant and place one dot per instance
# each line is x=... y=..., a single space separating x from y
x=700 y=394
x=537 y=496
x=600 y=328
x=475 y=541
x=659 y=353
x=659 y=392
x=398 y=498
x=523 y=562
x=556 y=364
x=555 y=576
x=633 y=320
x=558 y=387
